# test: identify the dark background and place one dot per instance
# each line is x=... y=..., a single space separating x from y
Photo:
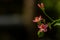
x=10 y=30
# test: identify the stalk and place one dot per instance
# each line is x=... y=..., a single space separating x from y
x=47 y=16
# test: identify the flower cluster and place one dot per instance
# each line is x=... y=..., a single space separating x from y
x=41 y=6
x=42 y=27
x=37 y=19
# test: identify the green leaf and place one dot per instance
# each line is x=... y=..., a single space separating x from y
x=40 y=34
x=57 y=24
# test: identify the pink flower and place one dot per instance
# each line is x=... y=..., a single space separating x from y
x=37 y=19
x=41 y=5
x=43 y=27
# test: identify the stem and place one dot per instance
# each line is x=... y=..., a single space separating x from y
x=48 y=16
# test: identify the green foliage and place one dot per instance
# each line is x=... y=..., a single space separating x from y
x=57 y=24
x=40 y=34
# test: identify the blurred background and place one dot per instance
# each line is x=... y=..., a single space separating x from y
x=16 y=19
